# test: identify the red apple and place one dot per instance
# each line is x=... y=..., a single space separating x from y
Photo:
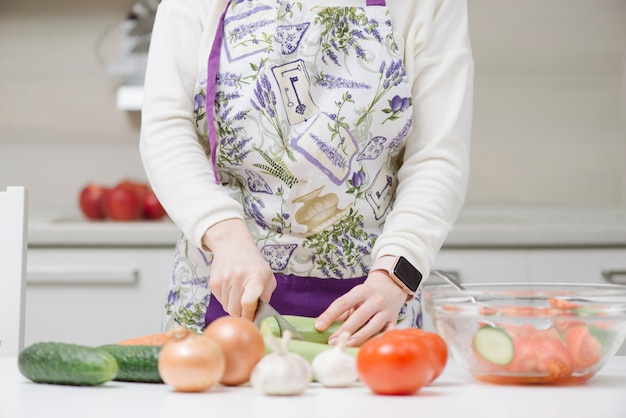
x=140 y=188
x=90 y=201
x=122 y=203
x=152 y=208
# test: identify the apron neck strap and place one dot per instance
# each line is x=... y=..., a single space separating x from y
x=375 y=3
x=212 y=66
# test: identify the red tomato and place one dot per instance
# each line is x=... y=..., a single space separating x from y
x=90 y=201
x=525 y=358
x=554 y=359
x=583 y=346
x=563 y=304
x=395 y=363
x=539 y=357
x=562 y=325
x=436 y=347
x=516 y=331
x=121 y=203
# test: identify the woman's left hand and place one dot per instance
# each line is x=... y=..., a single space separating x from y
x=366 y=309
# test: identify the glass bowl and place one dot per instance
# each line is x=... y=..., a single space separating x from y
x=530 y=333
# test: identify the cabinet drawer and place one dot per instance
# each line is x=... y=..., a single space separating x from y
x=588 y=265
x=95 y=296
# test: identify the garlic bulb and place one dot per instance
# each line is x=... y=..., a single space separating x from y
x=281 y=372
x=336 y=367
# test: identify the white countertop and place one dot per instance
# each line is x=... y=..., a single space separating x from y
x=539 y=227
x=476 y=227
x=80 y=232
x=454 y=394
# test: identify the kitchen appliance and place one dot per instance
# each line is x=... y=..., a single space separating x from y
x=128 y=58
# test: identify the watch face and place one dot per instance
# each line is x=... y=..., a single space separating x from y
x=409 y=275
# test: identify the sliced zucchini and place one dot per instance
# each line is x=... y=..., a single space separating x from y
x=494 y=344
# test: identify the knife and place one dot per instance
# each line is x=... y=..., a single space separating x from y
x=265 y=310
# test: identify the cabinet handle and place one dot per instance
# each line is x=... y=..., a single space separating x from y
x=82 y=275
x=614 y=276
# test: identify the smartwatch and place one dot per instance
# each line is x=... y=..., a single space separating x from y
x=401 y=271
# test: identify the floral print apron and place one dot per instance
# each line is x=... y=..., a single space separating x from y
x=309 y=110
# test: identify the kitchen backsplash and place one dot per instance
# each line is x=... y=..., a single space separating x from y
x=550 y=102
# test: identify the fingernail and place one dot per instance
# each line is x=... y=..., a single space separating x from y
x=319 y=324
x=351 y=342
x=332 y=341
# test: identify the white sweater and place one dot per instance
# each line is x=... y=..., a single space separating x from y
x=433 y=178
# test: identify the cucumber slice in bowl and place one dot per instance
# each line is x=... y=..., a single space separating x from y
x=494 y=345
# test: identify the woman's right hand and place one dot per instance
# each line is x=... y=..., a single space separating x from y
x=239 y=274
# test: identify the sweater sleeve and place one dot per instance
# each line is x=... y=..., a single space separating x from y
x=175 y=162
x=433 y=178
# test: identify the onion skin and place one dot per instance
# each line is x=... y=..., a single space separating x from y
x=190 y=362
x=242 y=344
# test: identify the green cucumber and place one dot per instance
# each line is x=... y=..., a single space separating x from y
x=304 y=325
x=494 y=344
x=314 y=342
x=310 y=349
x=137 y=363
x=66 y=364
x=306 y=328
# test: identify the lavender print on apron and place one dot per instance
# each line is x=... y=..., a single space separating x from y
x=311 y=110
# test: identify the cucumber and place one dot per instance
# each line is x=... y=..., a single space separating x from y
x=66 y=364
x=314 y=342
x=136 y=363
x=310 y=349
x=306 y=328
x=304 y=325
x=494 y=344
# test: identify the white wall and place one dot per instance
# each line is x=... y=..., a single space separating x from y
x=550 y=102
x=550 y=111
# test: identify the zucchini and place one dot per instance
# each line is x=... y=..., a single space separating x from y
x=494 y=344
x=66 y=364
x=136 y=363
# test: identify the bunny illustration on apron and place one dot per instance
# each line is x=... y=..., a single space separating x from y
x=309 y=108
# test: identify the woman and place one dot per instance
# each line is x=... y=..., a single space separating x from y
x=333 y=161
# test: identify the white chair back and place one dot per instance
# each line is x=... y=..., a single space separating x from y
x=13 y=245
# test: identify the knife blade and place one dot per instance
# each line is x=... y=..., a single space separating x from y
x=265 y=310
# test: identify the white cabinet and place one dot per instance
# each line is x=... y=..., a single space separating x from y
x=542 y=265
x=483 y=265
x=95 y=296
x=584 y=265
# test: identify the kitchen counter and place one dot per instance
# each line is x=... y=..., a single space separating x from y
x=454 y=394
x=79 y=232
x=539 y=227
x=476 y=228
